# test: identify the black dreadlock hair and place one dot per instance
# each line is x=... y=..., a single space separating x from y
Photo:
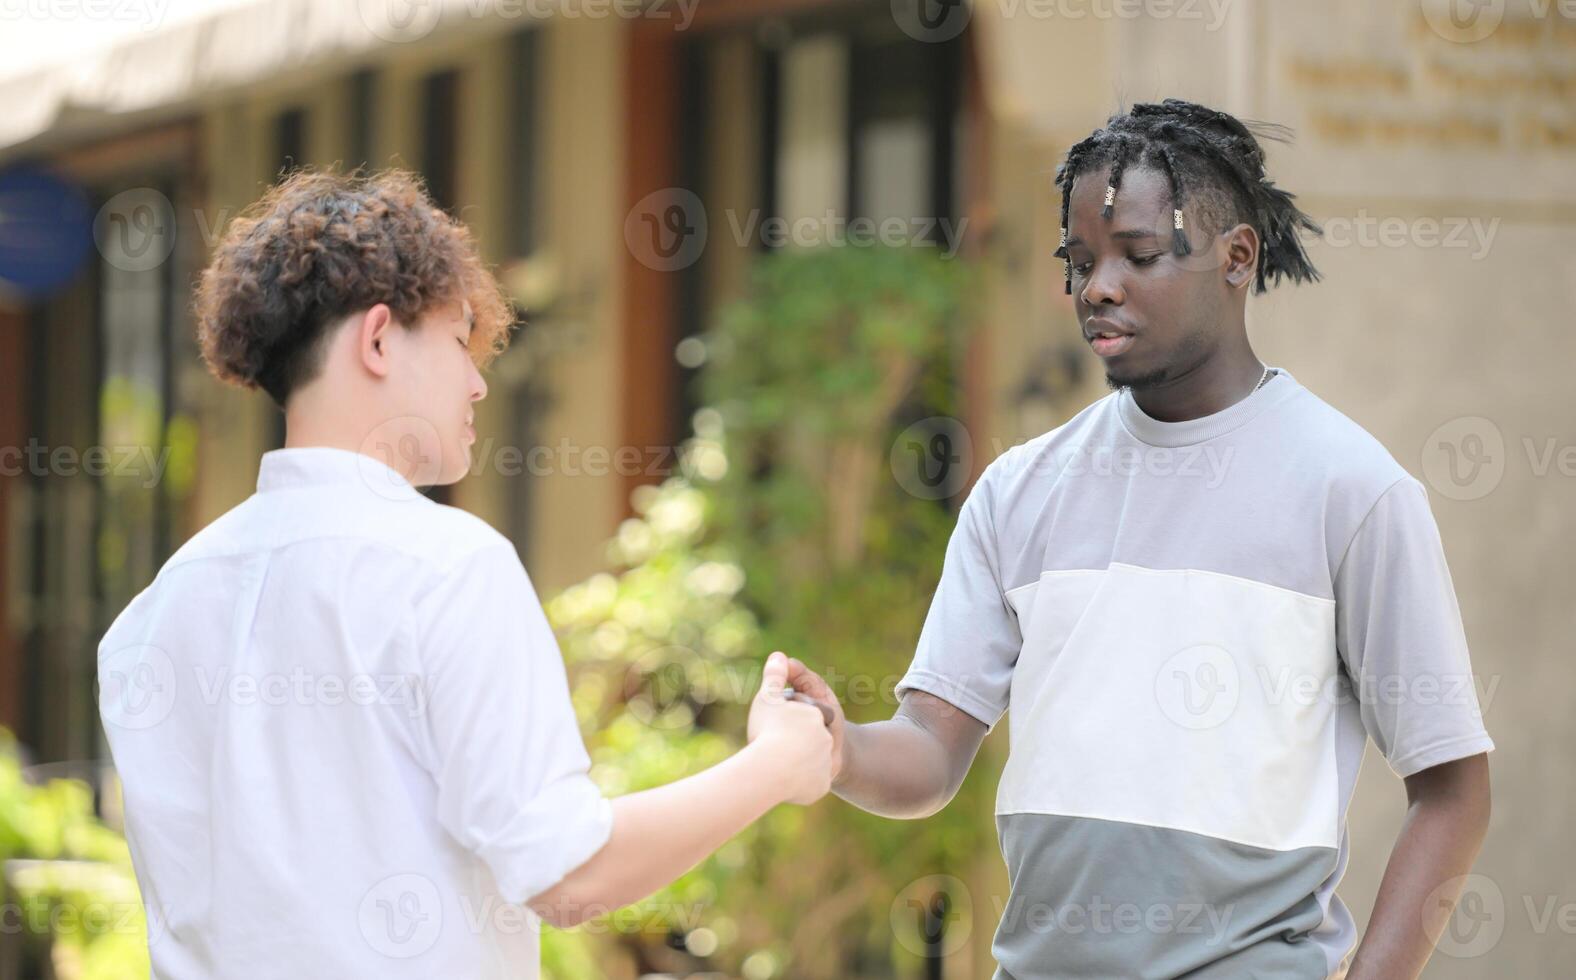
x=1213 y=156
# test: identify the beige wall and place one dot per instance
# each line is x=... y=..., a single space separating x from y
x=1404 y=341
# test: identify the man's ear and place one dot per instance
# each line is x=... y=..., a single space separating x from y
x=372 y=339
x=1242 y=255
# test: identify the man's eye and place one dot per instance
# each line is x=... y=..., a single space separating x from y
x=1082 y=268
x=1146 y=259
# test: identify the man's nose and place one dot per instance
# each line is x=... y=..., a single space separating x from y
x=1104 y=285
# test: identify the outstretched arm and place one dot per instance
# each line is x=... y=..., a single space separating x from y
x=907 y=767
x=660 y=833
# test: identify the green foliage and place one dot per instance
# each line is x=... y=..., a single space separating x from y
x=663 y=662
x=69 y=875
x=840 y=560
x=787 y=532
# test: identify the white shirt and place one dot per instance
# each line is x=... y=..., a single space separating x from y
x=344 y=730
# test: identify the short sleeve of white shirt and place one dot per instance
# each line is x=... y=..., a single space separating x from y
x=1399 y=632
x=510 y=765
x=970 y=642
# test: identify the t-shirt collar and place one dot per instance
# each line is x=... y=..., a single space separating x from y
x=1154 y=432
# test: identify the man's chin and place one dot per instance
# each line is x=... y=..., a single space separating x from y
x=455 y=473
x=1135 y=380
x=454 y=464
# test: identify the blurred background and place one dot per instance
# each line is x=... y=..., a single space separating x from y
x=786 y=285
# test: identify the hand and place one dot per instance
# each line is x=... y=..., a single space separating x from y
x=808 y=684
x=794 y=733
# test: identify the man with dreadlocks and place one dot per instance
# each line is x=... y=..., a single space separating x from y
x=1198 y=597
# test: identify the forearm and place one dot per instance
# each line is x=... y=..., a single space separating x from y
x=1439 y=841
x=895 y=769
x=660 y=833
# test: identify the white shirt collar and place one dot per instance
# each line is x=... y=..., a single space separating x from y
x=323 y=466
x=1151 y=431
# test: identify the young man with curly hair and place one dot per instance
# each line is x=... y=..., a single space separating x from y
x=340 y=717
x=1198 y=598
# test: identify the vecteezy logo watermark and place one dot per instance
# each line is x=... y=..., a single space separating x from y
x=932 y=21
x=38 y=915
x=1207 y=463
x=1283 y=685
x=1463 y=21
x=666 y=229
x=1202 y=686
x=300 y=686
x=1103 y=917
x=116 y=462
x=401 y=916
x=660 y=685
x=135 y=230
x=1466 y=915
x=833 y=230
x=136 y=686
x=399 y=455
x=933 y=916
x=146 y=14
x=493 y=914
x=403 y=21
x=1468 y=21
x=942 y=20
x=1213 y=12
x=1464 y=459
x=114 y=908
x=568 y=458
x=1198 y=687
x=670 y=678
x=399 y=21
x=1447 y=231
x=932 y=458
x=1469 y=925
x=408 y=445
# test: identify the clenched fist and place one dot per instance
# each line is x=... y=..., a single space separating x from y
x=796 y=733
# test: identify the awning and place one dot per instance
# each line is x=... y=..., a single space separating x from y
x=147 y=73
x=200 y=50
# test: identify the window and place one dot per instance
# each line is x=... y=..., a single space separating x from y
x=527 y=397
x=440 y=113
x=363 y=119
x=289 y=140
x=100 y=521
x=522 y=125
x=855 y=119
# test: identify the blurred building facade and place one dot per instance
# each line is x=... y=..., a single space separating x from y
x=623 y=167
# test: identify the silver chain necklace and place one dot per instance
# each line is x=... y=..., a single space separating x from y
x=1262 y=378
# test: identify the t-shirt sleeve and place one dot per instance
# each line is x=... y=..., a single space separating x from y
x=1399 y=633
x=970 y=641
x=511 y=768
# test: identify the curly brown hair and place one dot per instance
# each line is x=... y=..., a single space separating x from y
x=321 y=245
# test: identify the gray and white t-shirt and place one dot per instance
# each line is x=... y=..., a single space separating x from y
x=1195 y=626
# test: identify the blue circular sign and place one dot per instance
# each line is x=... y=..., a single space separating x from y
x=46 y=230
